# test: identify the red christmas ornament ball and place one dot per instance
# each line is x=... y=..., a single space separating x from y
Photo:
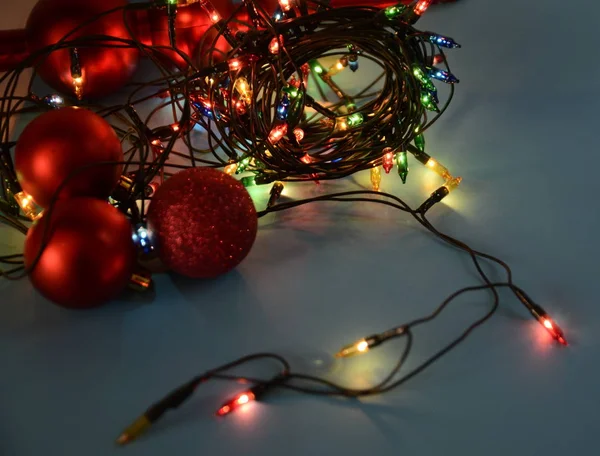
x=104 y=69
x=61 y=141
x=89 y=255
x=204 y=221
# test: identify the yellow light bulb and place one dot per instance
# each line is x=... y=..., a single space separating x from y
x=243 y=88
x=231 y=169
x=362 y=346
x=439 y=169
x=341 y=124
x=453 y=183
x=28 y=205
x=357 y=348
x=376 y=178
x=78 y=87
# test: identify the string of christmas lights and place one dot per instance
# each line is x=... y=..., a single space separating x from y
x=264 y=102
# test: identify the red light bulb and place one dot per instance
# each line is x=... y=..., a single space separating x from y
x=388 y=159
x=554 y=330
x=422 y=6
x=236 y=403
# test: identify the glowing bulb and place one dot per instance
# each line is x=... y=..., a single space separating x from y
x=275 y=44
x=78 y=87
x=442 y=75
x=243 y=88
x=211 y=11
x=388 y=159
x=394 y=11
x=453 y=183
x=362 y=346
x=243 y=164
x=422 y=6
x=341 y=125
x=231 y=169
x=356 y=119
x=376 y=178
x=175 y=127
x=278 y=133
x=28 y=205
x=553 y=329
x=428 y=102
x=357 y=348
x=54 y=100
x=243 y=399
x=402 y=165
x=286 y=5
x=439 y=169
x=316 y=67
x=235 y=64
x=443 y=41
x=299 y=134
x=142 y=238
x=239 y=401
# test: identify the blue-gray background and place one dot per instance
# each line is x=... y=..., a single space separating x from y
x=522 y=132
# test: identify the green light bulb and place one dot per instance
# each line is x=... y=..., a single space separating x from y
x=394 y=11
x=356 y=119
x=248 y=181
x=428 y=102
x=243 y=164
x=291 y=91
x=316 y=67
x=402 y=164
x=420 y=142
x=423 y=78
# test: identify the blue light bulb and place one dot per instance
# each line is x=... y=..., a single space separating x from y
x=142 y=238
x=443 y=41
x=442 y=75
x=283 y=108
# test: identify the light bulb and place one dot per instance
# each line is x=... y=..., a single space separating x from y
x=28 y=205
x=376 y=178
x=439 y=169
x=388 y=159
x=236 y=403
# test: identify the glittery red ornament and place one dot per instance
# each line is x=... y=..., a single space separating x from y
x=105 y=69
x=89 y=256
x=205 y=222
x=61 y=141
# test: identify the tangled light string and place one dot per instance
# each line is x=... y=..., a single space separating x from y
x=256 y=101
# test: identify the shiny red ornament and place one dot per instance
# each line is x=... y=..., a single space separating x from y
x=61 y=141
x=205 y=222
x=105 y=69
x=89 y=255
x=151 y=27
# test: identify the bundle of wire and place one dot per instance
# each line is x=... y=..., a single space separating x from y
x=268 y=120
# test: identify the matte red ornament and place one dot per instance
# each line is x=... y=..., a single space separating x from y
x=205 y=222
x=61 y=141
x=105 y=69
x=89 y=255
